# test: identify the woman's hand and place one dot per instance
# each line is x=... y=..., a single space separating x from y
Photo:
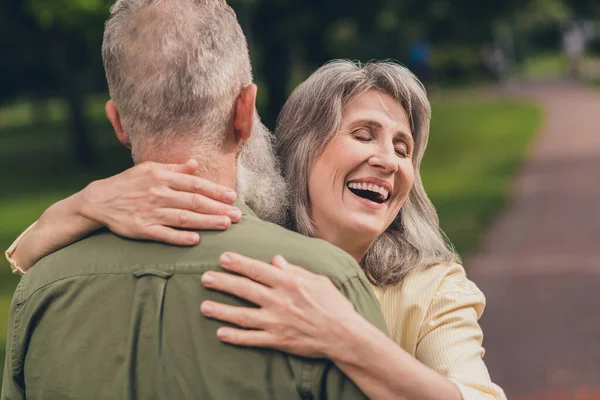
x=149 y=200
x=299 y=312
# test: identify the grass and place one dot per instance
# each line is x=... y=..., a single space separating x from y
x=475 y=148
x=545 y=65
x=553 y=65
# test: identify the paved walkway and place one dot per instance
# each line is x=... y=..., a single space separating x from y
x=540 y=263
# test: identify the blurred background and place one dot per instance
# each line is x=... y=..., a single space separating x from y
x=475 y=57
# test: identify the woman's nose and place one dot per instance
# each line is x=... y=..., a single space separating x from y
x=385 y=158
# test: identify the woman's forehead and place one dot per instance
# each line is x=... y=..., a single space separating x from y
x=376 y=106
x=375 y=99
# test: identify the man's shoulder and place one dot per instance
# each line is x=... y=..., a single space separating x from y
x=263 y=240
x=102 y=254
x=107 y=254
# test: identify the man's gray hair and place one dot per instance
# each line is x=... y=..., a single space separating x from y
x=312 y=117
x=175 y=68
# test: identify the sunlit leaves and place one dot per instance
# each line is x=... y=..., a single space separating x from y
x=66 y=13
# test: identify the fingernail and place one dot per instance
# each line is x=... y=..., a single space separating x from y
x=282 y=262
x=280 y=259
x=222 y=333
x=230 y=196
x=194 y=238
x=226 y=223
x=235 y=214
x=225 y=258
x=206 y=307
x=207 y=278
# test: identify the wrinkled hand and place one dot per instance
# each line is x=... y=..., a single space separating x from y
x=299 y=312
x=149 y=200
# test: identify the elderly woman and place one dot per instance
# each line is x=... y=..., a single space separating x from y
x=351 y=139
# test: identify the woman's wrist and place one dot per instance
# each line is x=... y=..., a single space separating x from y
x=85 y=208
x=349 y=336
x=383 y=370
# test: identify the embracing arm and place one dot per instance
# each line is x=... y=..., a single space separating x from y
x=380 y=367
x=60 y=225
x=148 y=201
x=449 y=357
x=304 y=314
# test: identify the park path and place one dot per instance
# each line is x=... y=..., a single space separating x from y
x=539 y=265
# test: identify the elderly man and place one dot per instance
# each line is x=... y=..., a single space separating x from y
x=109 y=318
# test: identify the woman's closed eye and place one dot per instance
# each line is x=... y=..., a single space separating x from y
x=402 y=149
x=363 y=134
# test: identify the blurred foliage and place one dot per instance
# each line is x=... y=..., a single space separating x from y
x=52 y=47
x=66 y=13
x=541 y=13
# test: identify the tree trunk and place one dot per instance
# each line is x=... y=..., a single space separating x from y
x=82 y=150
x=276 y=62
x=79 y=132
x=277 y=71
x=40 y=109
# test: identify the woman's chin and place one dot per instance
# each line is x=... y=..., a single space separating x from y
x=365 y=228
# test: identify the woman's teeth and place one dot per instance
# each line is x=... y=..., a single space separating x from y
x=370 y=187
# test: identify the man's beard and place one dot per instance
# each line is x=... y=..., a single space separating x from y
x=259 y=181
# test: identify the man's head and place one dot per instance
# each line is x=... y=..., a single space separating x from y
x=177 y=71
x=180 y=81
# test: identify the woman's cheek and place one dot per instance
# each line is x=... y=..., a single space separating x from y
x=406 y=177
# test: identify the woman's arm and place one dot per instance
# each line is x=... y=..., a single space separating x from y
x=304 y=314
x=60 y=225
x=383 y=370
x=146 y=202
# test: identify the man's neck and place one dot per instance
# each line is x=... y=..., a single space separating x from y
x=216 y=167
x=222 y=171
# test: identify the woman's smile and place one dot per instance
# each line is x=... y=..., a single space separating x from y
x=371 y=191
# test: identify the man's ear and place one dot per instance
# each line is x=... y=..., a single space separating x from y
x=245 y=109
x=115 y=119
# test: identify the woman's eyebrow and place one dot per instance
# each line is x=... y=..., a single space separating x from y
x=368 y=122
x=405 y=136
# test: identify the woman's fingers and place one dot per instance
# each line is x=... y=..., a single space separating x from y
x=256 y=270
x=189 y=167
x=251 y=338
x=190 y=220
x=171 y=236
x=245 y=317
x=281 y=263
x=238 y=286
x=195 y=184
x=199 y=204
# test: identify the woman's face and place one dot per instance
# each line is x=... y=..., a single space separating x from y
x=361 y=180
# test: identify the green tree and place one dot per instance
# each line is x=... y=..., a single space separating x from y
x=67 y=43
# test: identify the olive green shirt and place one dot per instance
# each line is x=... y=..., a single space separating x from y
x=112 y=318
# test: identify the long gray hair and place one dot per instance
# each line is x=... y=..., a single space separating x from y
x=308 y=122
